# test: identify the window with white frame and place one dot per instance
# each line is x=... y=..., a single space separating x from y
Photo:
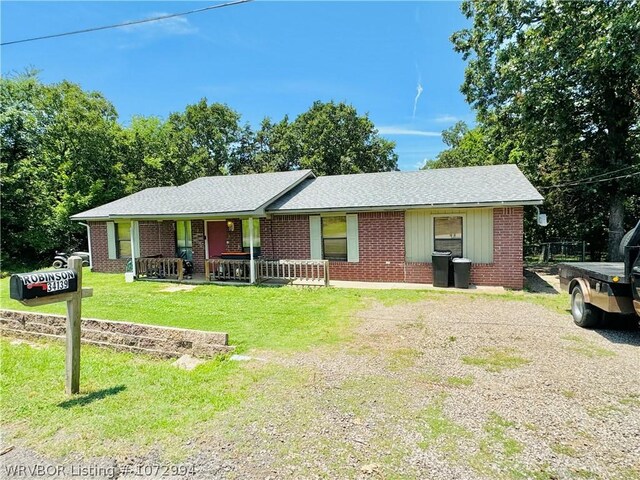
x=246 y=244
x=334 y=238
x=123 y=239
x=447 y=234
x=184 y=242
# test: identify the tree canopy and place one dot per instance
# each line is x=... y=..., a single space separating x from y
x=556 y=89
x=63 y=151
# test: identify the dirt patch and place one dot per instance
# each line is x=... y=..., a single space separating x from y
x=178 y=288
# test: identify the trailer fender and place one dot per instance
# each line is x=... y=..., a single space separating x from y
x=586 y=289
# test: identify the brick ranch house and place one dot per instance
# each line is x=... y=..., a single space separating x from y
x=378 y=227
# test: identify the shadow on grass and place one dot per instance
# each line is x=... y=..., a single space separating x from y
x=91 y=397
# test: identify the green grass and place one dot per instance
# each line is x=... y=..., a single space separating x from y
x=465 y=381
x=633 y=400
x=496 y=359
x=441 y=431
x=254 y=317
x=403 y=358
x=564 y=449
x=587 y=348
x=127 y=401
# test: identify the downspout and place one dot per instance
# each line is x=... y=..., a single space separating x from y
x=89 y=243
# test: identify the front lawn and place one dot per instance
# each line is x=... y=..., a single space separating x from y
x=127 y=401
x=132 y=403
x=254 y=317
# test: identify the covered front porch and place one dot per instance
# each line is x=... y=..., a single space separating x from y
x=235 y=271
x=213 y=249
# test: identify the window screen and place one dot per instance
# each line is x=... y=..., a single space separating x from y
x=334 y=238
x=447 y=234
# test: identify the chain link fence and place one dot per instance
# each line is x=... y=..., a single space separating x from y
x=560 y=251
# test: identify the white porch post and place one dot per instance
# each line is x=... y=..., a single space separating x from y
x=252 y=266
x=133 y=246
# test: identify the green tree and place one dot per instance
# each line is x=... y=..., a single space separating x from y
x=80 y=149
x=202 y=141
x=331 y=139
x=273 y=148
x=59 y=156
x=146 y=147
x=466 y=147
x=25 y=191
x=556 y=86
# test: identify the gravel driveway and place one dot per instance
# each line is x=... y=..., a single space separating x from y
x=458 y=386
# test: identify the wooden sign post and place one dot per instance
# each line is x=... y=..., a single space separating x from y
x=64 y=285
x=74 y=317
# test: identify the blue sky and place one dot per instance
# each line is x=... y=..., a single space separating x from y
x=261 y=58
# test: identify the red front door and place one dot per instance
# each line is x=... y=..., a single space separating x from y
x=216 y=238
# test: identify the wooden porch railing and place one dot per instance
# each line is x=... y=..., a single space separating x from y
x=312 y=272
x=228 y=270
x=171 y=268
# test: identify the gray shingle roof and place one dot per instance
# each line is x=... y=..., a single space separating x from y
x=300 y=191
x=203 y=196
x=485 y=185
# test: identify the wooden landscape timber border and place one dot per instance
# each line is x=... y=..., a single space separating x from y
x=166 y=342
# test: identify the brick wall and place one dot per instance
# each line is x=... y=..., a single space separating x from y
x=380 y=239
x=157 y=238
x=381 y=245
x=285 y=237
x=100 y=251
x=198 y=240
x=508 y=263
x=131 y=337
x=234 y=239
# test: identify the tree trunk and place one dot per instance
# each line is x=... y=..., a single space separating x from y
x=616 y=228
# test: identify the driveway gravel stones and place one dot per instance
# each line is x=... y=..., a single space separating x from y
x=400 y=401
x=455 y=386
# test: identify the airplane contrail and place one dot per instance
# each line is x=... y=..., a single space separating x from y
x=415 y=101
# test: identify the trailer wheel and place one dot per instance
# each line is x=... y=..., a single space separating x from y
x=584 y=314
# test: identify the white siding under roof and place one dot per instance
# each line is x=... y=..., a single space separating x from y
x=477 y=234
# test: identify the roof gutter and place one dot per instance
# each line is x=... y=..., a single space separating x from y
x=405 y=207
x=185 y=216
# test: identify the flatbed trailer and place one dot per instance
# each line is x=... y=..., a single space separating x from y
x=599 y=287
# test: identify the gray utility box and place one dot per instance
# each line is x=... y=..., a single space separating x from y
x=461 y=272
x=441 y=262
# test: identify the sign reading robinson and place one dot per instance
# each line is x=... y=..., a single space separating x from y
x=25 y=286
